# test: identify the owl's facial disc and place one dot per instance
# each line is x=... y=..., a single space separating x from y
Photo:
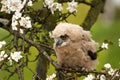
x=62 y=40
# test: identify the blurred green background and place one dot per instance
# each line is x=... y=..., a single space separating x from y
x=100 y=31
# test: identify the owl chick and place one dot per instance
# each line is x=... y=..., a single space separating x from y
x=74 y=46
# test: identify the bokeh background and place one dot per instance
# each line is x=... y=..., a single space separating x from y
x=107 y=27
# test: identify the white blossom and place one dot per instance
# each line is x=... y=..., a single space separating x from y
x=119 y=39
x=55 y=6
x=104 y=45
x=30 y=3
x=16 y=56
x=15 y=5
x=25 y=22
x=2 y=43
x=4 y=2
x=14 y=24
x=5 y=9
x=48 y=3
x=111 y=72
x=17 y=15
x=51 y=77
x=102 y=77
x=10 y=60
x=107 y=66
x=4 y=6
x=3 y=55
x=72 y=6
x=21 y=31
x=119 y=42
x=89 y=77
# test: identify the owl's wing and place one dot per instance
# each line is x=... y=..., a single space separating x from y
x=93 y=55
x=89 y=47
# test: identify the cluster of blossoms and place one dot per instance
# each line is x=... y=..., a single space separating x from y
x=14 y=5
x=91 y=77
x=108 y=69
x=18 y=19
x=54 y=6
x=16 y=56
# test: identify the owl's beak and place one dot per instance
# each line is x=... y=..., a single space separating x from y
x=58 y=41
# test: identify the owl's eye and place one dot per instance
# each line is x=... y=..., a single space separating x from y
x=64 y=37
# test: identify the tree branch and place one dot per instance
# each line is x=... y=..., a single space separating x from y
x=93 y=13
x=79 y=1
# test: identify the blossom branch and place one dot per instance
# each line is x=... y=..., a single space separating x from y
x=96 y=7
x=50 y=60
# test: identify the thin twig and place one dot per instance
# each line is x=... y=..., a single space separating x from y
x=10 y=75
x=50 y=59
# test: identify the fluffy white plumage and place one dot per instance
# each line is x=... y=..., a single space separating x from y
x=74 y=46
